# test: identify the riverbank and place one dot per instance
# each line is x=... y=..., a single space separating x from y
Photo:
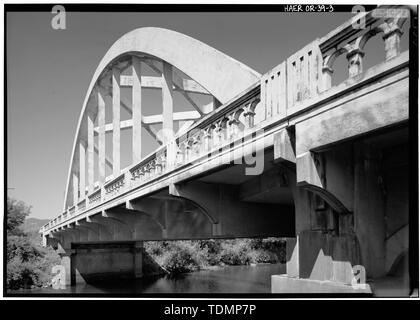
x=175 y=257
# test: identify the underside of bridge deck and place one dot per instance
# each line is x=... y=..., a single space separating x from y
x=225 y=203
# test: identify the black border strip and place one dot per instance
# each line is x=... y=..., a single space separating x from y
x=108 y=7
x=414 y=147
x=413 y=132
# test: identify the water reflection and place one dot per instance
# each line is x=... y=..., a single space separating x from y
x=234 y=279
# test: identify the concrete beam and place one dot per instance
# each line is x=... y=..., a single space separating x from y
x=107 y=160
x=119 y=219
x=137 y=109
x=105 y=230
x=167 y=101
x=75 y=188
x=116 y=110
x=152 y=209
x=101 y=139
x=177 y=116
x=92 y=232
x=142 y=225
x=91 y=142
x=149 y=82
x=146 y=81
x=153 y=133
x=82 y=169
x=284 y=146
x=178 y=84
x=184 y=126
x=126 y=124
x=153 y=119
x=324 y=128
x=271 y=186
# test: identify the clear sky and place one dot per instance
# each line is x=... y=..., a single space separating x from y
x=48 y=72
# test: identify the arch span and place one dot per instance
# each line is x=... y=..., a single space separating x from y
x=222 y=76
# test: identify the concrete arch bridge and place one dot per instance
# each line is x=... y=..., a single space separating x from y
x=287 y=153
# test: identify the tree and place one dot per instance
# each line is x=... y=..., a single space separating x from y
x=28 y=264
x=17 y=211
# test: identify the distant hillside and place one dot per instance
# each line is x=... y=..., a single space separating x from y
x=33 y=224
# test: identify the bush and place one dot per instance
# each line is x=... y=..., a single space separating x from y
x=154 y=248
x=236 y=252
x=28 y=264
x=187 y=256
x=44 y=266
x=17 y=211
x=212 y=248
x=20 y=247
x=19 y=274
x=178 y=256
x=262 y=256
x=275 y=246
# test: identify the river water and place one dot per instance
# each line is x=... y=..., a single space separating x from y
x=231 y=279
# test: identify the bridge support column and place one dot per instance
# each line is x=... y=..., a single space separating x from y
x=319 y=260
x=349 y=203
x=322 y=255
x=97 y=261
x=66 y=257
x=138 y=259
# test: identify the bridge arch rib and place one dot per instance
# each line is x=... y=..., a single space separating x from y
x=212 y=72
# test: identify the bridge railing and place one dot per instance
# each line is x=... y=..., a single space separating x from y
x=351 y=38
x=308 y=73
x=150 y=167
x=95 y=197
x=221 y=128
x=303 y=76
x=81 y=205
